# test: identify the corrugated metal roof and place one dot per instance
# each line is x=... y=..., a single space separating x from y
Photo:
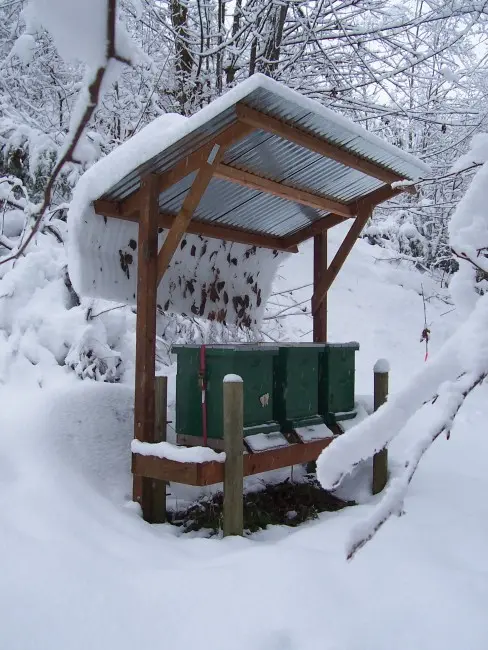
x=274 y=158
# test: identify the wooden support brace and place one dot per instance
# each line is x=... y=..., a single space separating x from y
x=320 y=291
x=180 y=224
x=144 y=407
x=315 y=228
x=195 y=193
x=371 y=200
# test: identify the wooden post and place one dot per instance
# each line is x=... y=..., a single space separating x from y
x=234 y=456
x=380 y=460
x=319 y=268
x=159 y=487
x=147 y=263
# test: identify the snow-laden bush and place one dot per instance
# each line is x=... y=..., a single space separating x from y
x=430 y=402
x=41 y=319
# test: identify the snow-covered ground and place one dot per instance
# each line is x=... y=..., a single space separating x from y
x=79 y=568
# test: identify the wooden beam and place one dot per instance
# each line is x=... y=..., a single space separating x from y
x=209 y=473
x=371 y=200
x=144 y=407
x=236 y=235
x=228 y=233
x=272 y=125
x=189 y=164
x=190 y=204
x=315 y=228
x=241 y=177
x=319 y=269
x=325 y=282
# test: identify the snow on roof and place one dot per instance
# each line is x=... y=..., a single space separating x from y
x=167 y=130
x=103 y=252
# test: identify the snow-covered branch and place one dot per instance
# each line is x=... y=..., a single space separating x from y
x=88 y=101
x=434 y=419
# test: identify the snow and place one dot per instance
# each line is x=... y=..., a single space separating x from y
x=400 y=184
x=429 y=403
x=169 y=129
x=315 y=432
x=232 y=379
x=450 y=75
x=381 y=366
x=409 y=231
x=24 y=48
x=79 y=29
x=263 y=441
x=77 y=556
x=468 y=234
x=178 y=454
x=477 y=154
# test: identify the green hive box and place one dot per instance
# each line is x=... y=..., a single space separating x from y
x=296 y=378
x=254 y=363
x=337 y=381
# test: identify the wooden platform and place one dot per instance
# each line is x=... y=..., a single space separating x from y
x=209 y=473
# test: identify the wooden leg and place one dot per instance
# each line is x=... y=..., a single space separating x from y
x=159 y=487
x=380 y=460
x=234 y=457
x=319 y=269
x=144 y=408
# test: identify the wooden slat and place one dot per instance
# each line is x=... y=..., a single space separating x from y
x=168 y=470
x=210 y=473
x=340 y=257
x=272 y=125
x=319 y=269
x=144 y=407
x=321 y=225
x=241 y=177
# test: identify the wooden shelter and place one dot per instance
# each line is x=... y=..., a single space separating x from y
x=262 y=166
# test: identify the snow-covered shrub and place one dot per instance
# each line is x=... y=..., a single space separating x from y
x=42 y=319
x=430 y=402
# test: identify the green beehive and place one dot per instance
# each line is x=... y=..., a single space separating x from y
x=253 y=363
x=337 y=381
x=296 y=376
